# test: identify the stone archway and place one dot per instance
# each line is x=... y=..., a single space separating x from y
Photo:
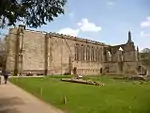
x=75 y=70
x=142 y=70
x=101 y=70
x=107 y=69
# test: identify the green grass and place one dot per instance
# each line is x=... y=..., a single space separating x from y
x=117 y=96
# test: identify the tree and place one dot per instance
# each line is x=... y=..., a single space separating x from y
x=145 y=57
x=2 y=52
x=145 y=50
x=33 y=13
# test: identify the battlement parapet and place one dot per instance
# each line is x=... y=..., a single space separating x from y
x=75 y=38
x=42 y=32
x=67 y=37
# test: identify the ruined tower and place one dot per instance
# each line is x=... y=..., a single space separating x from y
x=129 y=37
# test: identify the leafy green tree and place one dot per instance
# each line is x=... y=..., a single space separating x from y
x=2 y=52
x=145 y=57
x=33 y=13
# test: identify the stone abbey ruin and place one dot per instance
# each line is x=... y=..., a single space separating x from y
x=44 y=53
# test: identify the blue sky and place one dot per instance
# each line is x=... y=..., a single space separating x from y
x=107 y=21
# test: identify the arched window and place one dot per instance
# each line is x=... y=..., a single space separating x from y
x=109 y=56
x=83 y=52
x=105 y=56
x=87 y=53
x=94 y=59
x=92 y=54
x=97 y=52
x=120 y=49
x=76 y=50
x=79 y=52
x=121 y=54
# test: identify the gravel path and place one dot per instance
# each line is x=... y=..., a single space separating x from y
x=15 y=100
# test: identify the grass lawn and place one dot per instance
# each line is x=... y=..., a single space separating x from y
x=117 y=96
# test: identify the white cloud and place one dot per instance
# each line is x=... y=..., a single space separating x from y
x=146 y=23
x=86 y=26
x=146 y=35
x=83 y=26
x=143 y=34
x=69 y=31
x=148 y=18
x=110 y=3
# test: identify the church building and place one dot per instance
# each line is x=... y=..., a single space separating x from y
x=56 y=54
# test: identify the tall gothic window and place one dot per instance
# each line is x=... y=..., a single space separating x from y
x=87 y=53
x=105 y=55
x=83 y=53
x=102 y=55
x=92 y=54
x=97 y=54
x=76 y=52
x=109 y=56
x=79 y=52
x=94 y=59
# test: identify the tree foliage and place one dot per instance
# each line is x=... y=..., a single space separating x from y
x=145 y=57
x=2 y=52
x=33 y=13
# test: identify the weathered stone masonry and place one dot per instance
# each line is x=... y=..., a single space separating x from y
x=52 y=53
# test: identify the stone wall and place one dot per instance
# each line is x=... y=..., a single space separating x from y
x=130 y=67
x=33 y=51
x=59 y=52
x=62 y=56
x=52 y=53
x=11 y=48
x=37 y=52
